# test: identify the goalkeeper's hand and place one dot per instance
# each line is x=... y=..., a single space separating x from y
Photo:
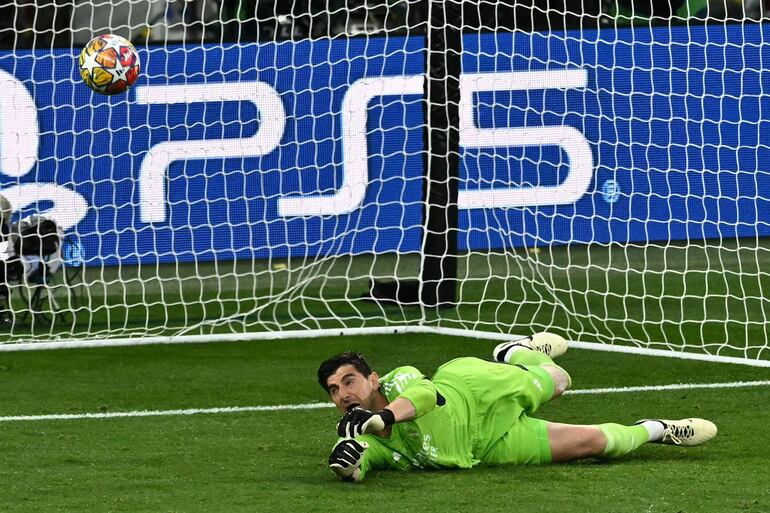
x=345 y=459
x=359 y=421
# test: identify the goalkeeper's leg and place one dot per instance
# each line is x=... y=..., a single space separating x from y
x=537 y=350
x=570 y=442
x=535 y=441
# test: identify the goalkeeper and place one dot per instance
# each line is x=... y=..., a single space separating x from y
x=474 y=412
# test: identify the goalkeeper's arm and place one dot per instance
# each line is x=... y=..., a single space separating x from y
x=416 y=401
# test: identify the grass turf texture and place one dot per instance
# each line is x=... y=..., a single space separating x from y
x=276 y=461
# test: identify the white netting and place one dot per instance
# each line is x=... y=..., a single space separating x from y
x=270 y=162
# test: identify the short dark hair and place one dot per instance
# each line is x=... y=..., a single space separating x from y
x=330 y=366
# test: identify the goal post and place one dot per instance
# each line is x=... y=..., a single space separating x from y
x=598 y=171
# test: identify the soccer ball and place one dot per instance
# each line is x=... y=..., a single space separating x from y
x=109 y=64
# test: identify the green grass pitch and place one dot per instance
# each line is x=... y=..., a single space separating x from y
x=269 y=461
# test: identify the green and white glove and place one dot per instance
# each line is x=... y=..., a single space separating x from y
x=359 y=421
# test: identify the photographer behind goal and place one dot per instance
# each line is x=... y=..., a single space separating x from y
x=30 y=253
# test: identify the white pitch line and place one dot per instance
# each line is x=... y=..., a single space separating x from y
x=164 y=413
x=676 y=386
x=317 y=406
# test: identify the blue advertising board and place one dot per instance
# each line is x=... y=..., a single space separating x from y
x=316 y=148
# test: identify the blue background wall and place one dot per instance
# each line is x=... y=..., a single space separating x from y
x=675 y=118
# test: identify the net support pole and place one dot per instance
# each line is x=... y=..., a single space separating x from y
x=438 y=278
x=437 y=283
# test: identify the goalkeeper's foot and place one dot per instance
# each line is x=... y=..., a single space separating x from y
x=685 y=432
x=548 y=343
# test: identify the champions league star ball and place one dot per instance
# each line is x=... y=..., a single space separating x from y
x=109 y=64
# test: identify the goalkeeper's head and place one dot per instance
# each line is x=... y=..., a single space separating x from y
x=349 y=380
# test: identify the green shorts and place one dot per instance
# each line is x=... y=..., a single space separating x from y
x=526 y=443
x=503 y=397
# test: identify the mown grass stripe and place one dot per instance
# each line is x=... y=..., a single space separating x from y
x=316 y=406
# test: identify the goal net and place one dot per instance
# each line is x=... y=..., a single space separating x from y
x=298 y=167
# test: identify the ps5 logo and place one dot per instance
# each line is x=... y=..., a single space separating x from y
x=19 y=142
x=353 y=116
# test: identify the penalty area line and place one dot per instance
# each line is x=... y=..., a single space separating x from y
x=317 y=406
x=676 y=386
x=165 y=413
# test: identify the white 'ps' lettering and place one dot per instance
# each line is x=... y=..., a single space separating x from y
x=19 y=143
x=152 y=174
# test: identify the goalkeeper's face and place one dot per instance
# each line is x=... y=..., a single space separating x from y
x=349 y=388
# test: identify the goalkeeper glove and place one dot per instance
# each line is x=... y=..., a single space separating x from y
x=345 y=459
x=359 y=421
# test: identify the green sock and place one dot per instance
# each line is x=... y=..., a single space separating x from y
x=622 y=440
x=525 y=356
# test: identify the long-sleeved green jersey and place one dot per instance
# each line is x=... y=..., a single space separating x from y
x=468 y=406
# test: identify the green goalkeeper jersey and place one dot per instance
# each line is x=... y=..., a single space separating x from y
x=460 y=414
